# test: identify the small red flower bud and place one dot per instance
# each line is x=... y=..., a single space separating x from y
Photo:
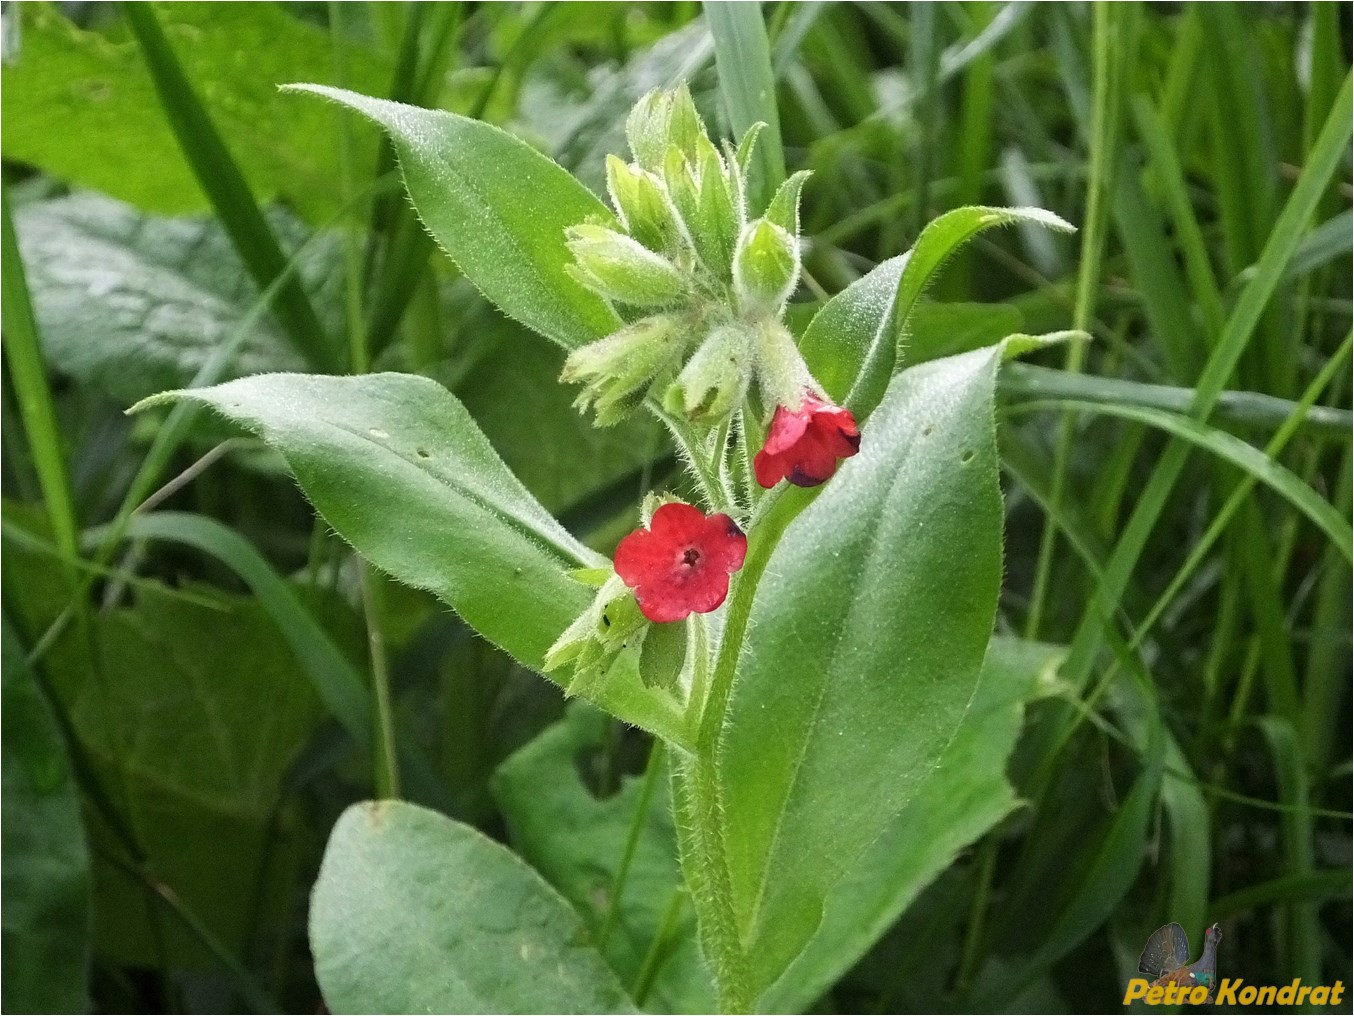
x=682 y=562
x=805 y=444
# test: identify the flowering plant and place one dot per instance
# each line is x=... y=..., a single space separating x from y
x=802 y=629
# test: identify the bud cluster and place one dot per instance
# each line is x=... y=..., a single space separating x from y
x=701 y=285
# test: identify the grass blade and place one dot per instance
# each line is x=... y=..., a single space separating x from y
x=748 y=86
x=1236 y=451
x=226 y=188
x=1327 y=156
x=23 y=353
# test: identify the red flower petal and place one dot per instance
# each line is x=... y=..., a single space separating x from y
x=804 y=445
x=682 y=562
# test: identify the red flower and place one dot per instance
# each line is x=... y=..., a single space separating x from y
x=804 y=446
x=682 y=562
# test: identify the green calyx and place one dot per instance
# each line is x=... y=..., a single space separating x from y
x=688 y=250
x=612 y=630
x=618 y=371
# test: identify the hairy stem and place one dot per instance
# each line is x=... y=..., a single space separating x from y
x=696 y=791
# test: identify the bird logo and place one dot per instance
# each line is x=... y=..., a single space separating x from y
x=1166 y=959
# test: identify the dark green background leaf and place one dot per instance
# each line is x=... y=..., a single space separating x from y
x=80 y=104
x=576 y=839
x=132 y=304
x=46 y=863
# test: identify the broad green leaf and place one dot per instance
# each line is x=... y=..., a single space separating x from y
x=80 y=104
x=46 y=869
x=577 y=841
x=966 y=795
x=132 y=304
x=499 y=208
x=413 y=912
x=866 y=639
x=397 y=466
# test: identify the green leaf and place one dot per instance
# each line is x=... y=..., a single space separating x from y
x=865 y=643
x=175 y=725
x=81 y=106
x=397 y=466
x=966 y=795
x=46 y=871
x=168 y=292
x=339 y=685
x=851 y=328
x=499 y=208
x=413 y=912
x=870 y=321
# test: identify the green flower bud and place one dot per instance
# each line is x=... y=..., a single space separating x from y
x=782 y=374
x=621 y=268
x=646 y=129
x=702 y=196
x=766 y=267
x=661 y=119
x=720 y=217
x=715 y=379
x=618 y=370
x=685 y=129
x=644 y=207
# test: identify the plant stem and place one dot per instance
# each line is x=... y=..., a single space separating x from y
x=696 y=791
x=387 y=772
x=705 y=864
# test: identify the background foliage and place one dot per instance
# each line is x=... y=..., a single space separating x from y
x=192 y=685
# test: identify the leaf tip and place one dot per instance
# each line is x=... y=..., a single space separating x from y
x=151 y=401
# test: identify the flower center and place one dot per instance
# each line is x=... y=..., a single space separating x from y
x=691 y=557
